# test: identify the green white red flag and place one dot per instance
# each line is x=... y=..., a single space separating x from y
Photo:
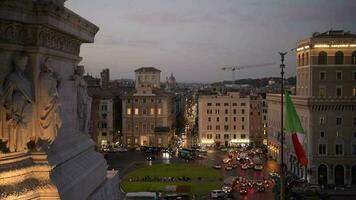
x=293 y=126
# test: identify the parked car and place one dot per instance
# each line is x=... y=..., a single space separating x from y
x=217 y=194
x=314 y=188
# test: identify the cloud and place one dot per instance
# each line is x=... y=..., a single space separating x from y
x=121 y=41
x=172 y=19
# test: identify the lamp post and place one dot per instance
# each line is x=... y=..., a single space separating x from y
x=282 y=180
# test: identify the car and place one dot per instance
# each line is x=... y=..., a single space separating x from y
x=217 y=194
x=243 y=184
x=261 y=189
x=200 y=156
x=274 y=175
x=202 y=151
x=228 y=168
x=251 y=184
x=227 y=188
x=313 y=188
x=226 y=160
x=258 y=167
x=121 y=149
x=244 y=167
x=243 y=191
x=150 y=158
x=259 y=183
x=217 y=166
x=339 y=188
x=176 y=196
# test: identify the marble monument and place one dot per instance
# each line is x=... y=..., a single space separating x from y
x=45 y=149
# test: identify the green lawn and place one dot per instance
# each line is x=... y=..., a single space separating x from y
x=211 y=178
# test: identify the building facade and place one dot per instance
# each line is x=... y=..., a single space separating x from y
x=224 y=120
x=148 y=113
x=258 y=119
x=105 y=125
x=326 y=103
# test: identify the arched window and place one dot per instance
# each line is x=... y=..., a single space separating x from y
x=303 y=59
x=353 y=175
x=298 y=59
x=339 y=58
x=307 y=58
x=322 y=58
x=353 y=58
x=322 y=175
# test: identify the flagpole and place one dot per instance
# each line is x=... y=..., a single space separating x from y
x=282 y=180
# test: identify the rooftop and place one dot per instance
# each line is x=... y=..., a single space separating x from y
x=147 y=69
x=334 y=33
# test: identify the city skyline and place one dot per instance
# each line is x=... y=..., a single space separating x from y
x=203 y=36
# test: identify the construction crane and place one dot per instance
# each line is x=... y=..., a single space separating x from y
x=238 y=67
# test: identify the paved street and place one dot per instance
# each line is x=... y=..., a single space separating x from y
x=126 y=162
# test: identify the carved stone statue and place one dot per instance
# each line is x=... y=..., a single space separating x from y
x=83 y=99
x=48 y=103
x=18 y=103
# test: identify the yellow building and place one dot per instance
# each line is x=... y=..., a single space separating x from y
x=326 y=103
x=148 y=113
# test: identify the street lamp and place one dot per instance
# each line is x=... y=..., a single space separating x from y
x=282 y=66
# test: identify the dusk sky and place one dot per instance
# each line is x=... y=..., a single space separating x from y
x=193 y=39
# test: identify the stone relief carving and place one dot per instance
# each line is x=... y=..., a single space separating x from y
x=48 y=103
x=18 y=104
x=12 y=32
x=83 y=99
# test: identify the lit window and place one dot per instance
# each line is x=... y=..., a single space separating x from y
x=322 y=91
x=129 y=111
x=159 y=111
x=152 y=111
x=136 y=111
x=322 y=120
x=354 y=91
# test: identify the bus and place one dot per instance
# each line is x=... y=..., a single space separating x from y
x=187 y=154
x=142 y=196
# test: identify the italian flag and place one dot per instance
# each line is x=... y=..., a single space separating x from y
x=293 y=126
